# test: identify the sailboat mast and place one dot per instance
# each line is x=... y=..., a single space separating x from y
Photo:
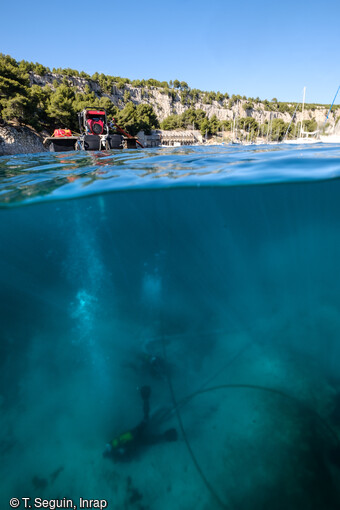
x=303 y=107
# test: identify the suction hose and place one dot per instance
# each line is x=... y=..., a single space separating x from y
x=255 y=387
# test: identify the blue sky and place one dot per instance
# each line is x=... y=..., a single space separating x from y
x=265 y=49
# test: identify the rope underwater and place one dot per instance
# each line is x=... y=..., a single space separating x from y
x=277 y=392
x=191 y=453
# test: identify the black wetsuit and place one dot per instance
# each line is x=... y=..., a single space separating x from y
x=128 y=444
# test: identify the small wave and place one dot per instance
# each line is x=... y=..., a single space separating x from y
x=25 y=179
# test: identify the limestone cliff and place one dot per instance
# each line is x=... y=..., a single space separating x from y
x=165 y=102
x=170 y=102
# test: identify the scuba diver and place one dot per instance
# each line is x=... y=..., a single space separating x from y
x=150 y=365
x=155 y=365
x=128 y=445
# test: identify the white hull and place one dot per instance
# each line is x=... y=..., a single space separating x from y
x=330 y=139
x=301 y=141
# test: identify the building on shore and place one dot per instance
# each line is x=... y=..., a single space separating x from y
x=170 y=138
x=174 y=137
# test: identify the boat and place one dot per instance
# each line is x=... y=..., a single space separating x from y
x=330 y=139
x=94 y=134
x=306 y=137
x=301 y=140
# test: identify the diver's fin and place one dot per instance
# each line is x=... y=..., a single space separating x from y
x=334 y=456
x=170 y=435
x=145 y=392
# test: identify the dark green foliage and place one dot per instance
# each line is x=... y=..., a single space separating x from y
x=70 y=72
x=106 y=83
x=190 y=119
x=278 y=129
x=227 y=125
x=197 y=119
x=194 y=94
x=214 y=125
x=209 y=97
x=82 y=101
x=39 y=100
x=286 y=108
x=310 y=125
x=9 y=70
x=205 y=127
x=146 y=118
x=248 y=123
x=14 y=90
x=135 y=118
x=247 y=127
x=10 y=87
x=193 y=119
x=111 y=109
x=84 y=75
x=57 y=105
x=120 y=84
x=171 y=122
x=172 y=94
x=15 y=108
x=206 y=99
x=247 y=106
x=127 y=118
x=34 y=68
x=219 y=97
x=60 y=108
x=127 y=96
x=184 y=96
x=136 y=83
x=155 y=83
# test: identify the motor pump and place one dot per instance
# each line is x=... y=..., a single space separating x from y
x=95 y=126
x=93 y=122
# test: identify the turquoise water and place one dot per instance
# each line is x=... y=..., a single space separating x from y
x=222 y=262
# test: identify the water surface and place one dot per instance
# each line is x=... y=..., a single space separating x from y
x=221 y=261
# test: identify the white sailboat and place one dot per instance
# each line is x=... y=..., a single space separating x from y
x=306 y=137
x=330 y=138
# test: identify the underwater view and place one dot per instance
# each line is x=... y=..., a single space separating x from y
x=170 y=329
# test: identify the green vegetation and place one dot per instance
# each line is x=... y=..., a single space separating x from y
x=196 y=119
x=243 y=127
x=56 y=104
x=191 y=118
x=135 y=118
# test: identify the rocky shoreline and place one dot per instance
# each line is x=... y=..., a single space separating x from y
x=15 y=139
x=19 y=140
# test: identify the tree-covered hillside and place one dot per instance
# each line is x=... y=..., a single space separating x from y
x=56 y=103
x=55 y=106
